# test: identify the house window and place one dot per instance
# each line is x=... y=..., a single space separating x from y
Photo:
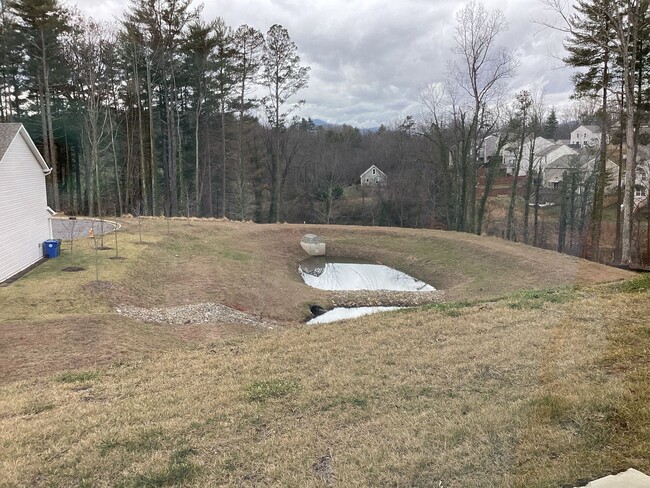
x=556 y=185
x=374 y=171
x=376 y=180
x=639 y=191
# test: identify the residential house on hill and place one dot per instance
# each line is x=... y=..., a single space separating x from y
x=586 y=135
x=642 y=180
x=554 y=172
x=373 y=176
x=489 y=147
x=545 y=152
x=550 y=154
x=24 y=214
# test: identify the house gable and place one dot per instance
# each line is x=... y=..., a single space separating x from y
x=373 y=176
x=9 y=133
x=24 y=219
x=586 y=135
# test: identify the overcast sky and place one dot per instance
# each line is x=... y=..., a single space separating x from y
x=370 y=59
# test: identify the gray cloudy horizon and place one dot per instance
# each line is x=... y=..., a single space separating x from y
x=370 y=59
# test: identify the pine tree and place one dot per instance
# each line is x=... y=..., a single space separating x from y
x=589 y=49
x=283 y=76
x=550 y=125
x=198 y=45
x=40 y=25
x=247 y=61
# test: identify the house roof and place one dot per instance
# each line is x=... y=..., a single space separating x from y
x=567 y=160
x=548 y=150
x=371 y=167
x=8 y=132
x=592 y=128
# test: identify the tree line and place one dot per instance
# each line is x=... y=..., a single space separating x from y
x=153 y=115
x=165 y=112
x=608 y=41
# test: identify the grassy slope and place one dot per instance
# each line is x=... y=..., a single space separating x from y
x=535 y=389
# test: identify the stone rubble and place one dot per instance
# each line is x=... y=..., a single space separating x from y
x=200 y=313
x=209 y=313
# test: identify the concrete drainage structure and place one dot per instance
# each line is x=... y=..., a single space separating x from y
x=313 y=245
x=627 y=479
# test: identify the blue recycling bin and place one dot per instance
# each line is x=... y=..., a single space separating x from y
x=51 y=248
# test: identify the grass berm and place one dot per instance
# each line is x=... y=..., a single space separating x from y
x=533 y=372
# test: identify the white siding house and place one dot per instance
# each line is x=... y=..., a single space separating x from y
x=586 y=135
x=545 y=153
x=490 y=144
x=554 y=172
x=373 y=176
x=24 y=214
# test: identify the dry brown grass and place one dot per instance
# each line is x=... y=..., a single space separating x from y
x=499 y=394
x=31 y=349
x=541 y=388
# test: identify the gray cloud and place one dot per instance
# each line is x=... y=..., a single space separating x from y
x=369 y=59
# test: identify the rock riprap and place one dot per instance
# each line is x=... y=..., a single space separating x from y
x=200 y=313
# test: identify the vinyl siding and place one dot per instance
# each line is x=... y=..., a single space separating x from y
x=24 y=220
x=367 y=178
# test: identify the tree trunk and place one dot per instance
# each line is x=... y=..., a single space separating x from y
x=118 y=188
x=223 y=156
x=630 y=172
x=48 y=134
x=197 y=190
x=152 y=149
x=529 y=187
x=538 y=185
x=510 y=225
x=143 y=169
x=601 y=178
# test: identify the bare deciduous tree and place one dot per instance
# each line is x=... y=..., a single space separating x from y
x=480 y=73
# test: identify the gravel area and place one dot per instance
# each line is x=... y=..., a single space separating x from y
x=201 y=313
x=207 y=313
x=78 y=228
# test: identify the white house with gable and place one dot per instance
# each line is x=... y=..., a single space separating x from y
x=24 y=214
x=545 y=152
x=586 y=135
x=581 y=163
x=373 y=176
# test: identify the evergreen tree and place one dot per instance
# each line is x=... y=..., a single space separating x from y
x=283 y=77
x=224 y=84
x=199 y=45
x=247 y=61
x=39 y=25
x=589 y=48
x=550 y=125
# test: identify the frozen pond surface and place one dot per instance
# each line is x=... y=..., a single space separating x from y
x=338 y=274
x=341 y=313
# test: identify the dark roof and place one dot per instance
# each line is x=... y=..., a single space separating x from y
x=7 y=134
x=547 y=150
x=373 y=166
x=566 y=161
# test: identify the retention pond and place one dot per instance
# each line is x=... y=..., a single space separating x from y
x=342 y=274
x=338 y=274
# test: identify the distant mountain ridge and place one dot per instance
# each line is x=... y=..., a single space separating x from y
x=323 y=123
